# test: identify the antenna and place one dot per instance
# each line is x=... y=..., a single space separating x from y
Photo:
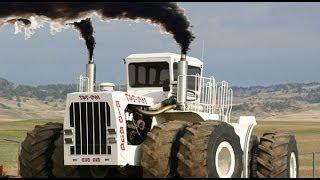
x=202 y=50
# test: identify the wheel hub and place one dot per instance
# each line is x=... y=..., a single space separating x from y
x=293 y=165
x=225 y=160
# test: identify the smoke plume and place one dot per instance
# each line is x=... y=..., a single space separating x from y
x=166 y=14
x=85 y=28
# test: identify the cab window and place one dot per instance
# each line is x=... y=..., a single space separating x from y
x=192 y=70
x=150 y=74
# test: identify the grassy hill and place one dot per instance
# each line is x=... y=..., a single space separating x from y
x=9 y=90
x=18 y=102
x=277 y=99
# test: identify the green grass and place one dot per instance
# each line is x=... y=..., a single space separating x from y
x=15 y=130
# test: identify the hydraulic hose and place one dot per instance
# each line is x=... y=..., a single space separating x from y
x=156 y=112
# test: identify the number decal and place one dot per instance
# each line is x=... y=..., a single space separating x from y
x=89 y=97
x=136 y=99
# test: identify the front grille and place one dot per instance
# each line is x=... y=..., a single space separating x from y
x=90 y=120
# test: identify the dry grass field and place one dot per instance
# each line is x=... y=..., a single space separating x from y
x=15 y=130
x=29 y=108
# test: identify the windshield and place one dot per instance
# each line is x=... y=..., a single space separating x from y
x=151 y=74
x=192 y=70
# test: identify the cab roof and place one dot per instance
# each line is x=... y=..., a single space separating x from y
x=174 y=56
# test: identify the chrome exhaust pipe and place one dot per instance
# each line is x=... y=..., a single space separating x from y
x=182 y=85
x=155 y=112
x=91 y=75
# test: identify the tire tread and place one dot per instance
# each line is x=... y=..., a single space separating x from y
x=36 y=151
x=157 y=149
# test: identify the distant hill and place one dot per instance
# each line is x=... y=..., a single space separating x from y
x=282 y=98
x=56 y=91
x=25 y=102
x=32 y=102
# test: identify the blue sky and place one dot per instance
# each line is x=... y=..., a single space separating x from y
x=245 y=44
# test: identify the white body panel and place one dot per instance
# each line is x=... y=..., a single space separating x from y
x=121 y=154
x=244 y=129
x=130 y=154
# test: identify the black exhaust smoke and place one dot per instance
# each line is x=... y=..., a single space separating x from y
x=85 y=29
x=167 y=14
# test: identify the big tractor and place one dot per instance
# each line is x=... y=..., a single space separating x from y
x=169 y=122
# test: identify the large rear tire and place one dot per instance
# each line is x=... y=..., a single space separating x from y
x=160 y=148
x=37 y=149
x=277 y=156
x=210 y=149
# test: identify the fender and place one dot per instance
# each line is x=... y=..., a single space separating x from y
x=244 y=129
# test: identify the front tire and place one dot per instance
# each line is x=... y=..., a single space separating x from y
x=59 y=169
x=210 y=149
x=277 y=156
x=160 y=148
x=36 y=151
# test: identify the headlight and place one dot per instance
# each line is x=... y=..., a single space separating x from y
x=112 y=140
x=68 y=140
x=111 y=131
x=68 y=132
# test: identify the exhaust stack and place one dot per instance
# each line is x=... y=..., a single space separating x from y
x=182 y=85
x=91 y=75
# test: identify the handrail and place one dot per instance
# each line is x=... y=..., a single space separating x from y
x=211 y=97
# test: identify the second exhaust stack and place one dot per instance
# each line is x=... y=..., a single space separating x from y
x=91 y=75
x=182 y=82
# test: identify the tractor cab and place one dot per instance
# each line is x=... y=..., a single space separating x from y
x=156 y=74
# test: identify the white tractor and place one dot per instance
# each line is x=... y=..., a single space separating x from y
x=170 y=122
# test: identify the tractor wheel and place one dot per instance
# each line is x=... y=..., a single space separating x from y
x=253 y=153
x=160 y=148
x=277 y=156
x=37 y=149
x=210 y=149
x=59 y=169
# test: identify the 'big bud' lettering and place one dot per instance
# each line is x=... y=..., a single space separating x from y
x=122 y=133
